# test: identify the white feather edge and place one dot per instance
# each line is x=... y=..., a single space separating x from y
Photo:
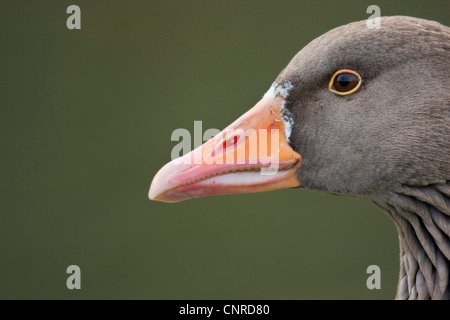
x=282 y=90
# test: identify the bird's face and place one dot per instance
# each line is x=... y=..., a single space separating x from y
x=379 y=136
x=351 y=111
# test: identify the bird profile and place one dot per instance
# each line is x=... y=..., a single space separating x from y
x=357 y=112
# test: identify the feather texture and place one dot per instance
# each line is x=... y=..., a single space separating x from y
x=422 y=217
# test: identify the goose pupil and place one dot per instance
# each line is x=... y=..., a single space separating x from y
x=344 y=81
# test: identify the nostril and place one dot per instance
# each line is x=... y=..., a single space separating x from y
x=229 y=142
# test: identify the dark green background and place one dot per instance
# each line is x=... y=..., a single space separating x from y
x=86 y=120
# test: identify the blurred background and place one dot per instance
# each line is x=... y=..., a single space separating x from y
x=87 y=117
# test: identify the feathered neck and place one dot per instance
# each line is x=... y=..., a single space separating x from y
x=422 y=217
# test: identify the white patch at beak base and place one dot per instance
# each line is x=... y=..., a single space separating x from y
x=283 y=90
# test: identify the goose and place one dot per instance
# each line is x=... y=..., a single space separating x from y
x=357 y=112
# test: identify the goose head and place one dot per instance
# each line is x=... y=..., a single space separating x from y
x=359 y=112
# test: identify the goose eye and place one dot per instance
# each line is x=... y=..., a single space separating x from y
x=345 y=82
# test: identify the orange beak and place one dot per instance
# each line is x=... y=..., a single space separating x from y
x=250 y=155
